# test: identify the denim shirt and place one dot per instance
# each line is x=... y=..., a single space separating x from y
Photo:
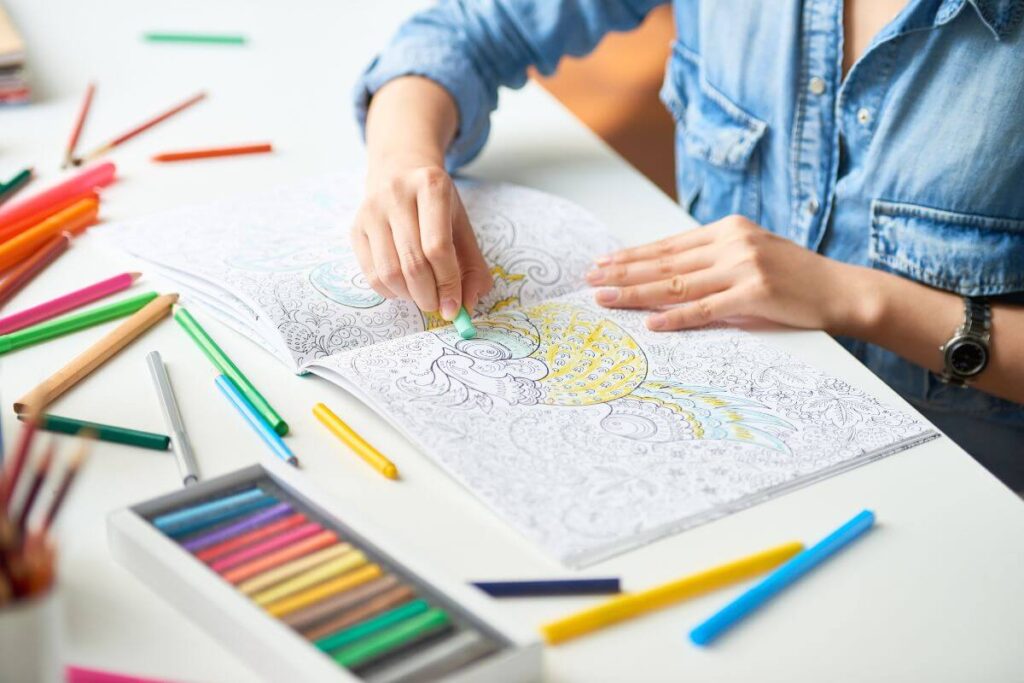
x=913 y=164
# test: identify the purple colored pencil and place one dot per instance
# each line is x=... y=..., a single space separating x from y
x=253 y=521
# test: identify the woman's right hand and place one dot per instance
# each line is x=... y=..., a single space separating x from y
x=412 y=235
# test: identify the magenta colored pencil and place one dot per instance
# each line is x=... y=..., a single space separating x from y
x=273 y=543
x=67 y=302
x=247 y=524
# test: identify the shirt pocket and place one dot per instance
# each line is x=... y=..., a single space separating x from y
x=717 y=170
x=969 y=254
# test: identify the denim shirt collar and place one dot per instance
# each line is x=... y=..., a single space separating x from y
x=1001 y=16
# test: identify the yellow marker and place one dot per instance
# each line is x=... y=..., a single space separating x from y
x=634 y=604
x=322 y=572
x=290 y=569
x=364 y=450
x=324 y=590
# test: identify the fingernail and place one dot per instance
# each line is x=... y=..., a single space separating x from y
x=656 y=321
x=603 y=260
x=608 y=295
x=595 y=275
x=449 y=309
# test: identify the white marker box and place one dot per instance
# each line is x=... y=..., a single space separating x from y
x=270 y=646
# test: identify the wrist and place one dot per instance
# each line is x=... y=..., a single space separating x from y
x=863 y=305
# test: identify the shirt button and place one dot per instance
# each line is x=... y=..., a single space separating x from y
x=813 y=205
x=863 y=116
x=817 y=85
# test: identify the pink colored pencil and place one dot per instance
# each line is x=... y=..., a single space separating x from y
x=67 y=302
x=78 y=674
x=80 y=183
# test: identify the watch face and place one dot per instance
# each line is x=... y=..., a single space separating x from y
x=967 y=357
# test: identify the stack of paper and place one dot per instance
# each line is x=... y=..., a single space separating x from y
x=13 y=86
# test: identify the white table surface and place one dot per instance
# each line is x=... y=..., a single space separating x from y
x=934 y=593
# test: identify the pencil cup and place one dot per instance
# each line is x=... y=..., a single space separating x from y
x=30 y=639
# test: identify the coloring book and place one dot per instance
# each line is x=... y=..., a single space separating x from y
x=587 y=432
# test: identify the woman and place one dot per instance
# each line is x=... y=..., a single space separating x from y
x=859 y=168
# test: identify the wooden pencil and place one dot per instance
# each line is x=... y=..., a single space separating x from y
x=142 y=127
x=23 y=273
x=96 y=355
x=14 y=465
x=42 y=469
x=66 y=481
x=83 y=112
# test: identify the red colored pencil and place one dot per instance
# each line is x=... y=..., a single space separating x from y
x=42 y=468
x=19 y=226
x=83 y=112
x=23 y=273
x=103 y=149
x=65 y=484
x=13 y=467
x=214 y=152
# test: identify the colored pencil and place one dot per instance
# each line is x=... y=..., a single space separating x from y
x=14 y=465
x=254 y=521
x=371 y=626
x=212 y=152
x=784 y=576
x=295 y=568
x=79 y=184
x=20 y=225
x=218 y=550
x=74 y=219
x=78 y=674
x=188 y=468
x=358 y=444
x=201 y=38
x=634 y=604
x=66 y=481
x=73 y=323
x=102 y=432
x=142 y=127
x=42 y=468
x=314 y=615
x=76 y=131
x=221 y=361
x=67 y=302
x=195 y=515
x=405 y=633
x=339 y=566
x=275 y=551
x=324 y=590
x=255 y=420
x=436 y=661
x=25 y=271
x=375 y=605
x=518 y=589
x=8 y=189
x=96 y=355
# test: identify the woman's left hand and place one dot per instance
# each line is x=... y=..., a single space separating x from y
x=731 y=268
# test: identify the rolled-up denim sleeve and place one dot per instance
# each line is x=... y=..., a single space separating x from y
x=472 y=47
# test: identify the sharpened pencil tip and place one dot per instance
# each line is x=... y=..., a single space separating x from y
x=293 y=461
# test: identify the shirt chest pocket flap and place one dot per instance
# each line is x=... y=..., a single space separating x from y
x=969 y=254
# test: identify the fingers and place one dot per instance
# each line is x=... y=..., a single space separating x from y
x=662 y=248
x=699 y=312
x=435 y=231
x=660 y=268
x=476 y=275
x=386 y=266
x=676 y=289
x=419 y=276
x=361 y=247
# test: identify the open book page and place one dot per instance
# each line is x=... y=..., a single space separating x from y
x=278 y=267
x=592 y=435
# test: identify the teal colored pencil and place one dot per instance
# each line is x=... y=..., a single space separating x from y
x=200 y=38
x=72 y=323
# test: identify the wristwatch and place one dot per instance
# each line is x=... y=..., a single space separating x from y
x=966 y=353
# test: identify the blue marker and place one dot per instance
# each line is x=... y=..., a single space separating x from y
x=781 y=578
x=521 y=589
x=204 y=514
x=266 y=432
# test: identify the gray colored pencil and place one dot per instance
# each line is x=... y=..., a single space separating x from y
x=180 y=443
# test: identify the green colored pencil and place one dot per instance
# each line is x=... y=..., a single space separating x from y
x=204 y=38
x=406 y=632
x=72 y=323
x=8 y=189
x=380 y=622
x=131 y=437
x=226 y=366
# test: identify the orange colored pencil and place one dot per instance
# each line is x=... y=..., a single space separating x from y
x=32 y=266
x=74 y=219
x=83 y=112
x=142 y=127
x=185 y=155
x=22 y=224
